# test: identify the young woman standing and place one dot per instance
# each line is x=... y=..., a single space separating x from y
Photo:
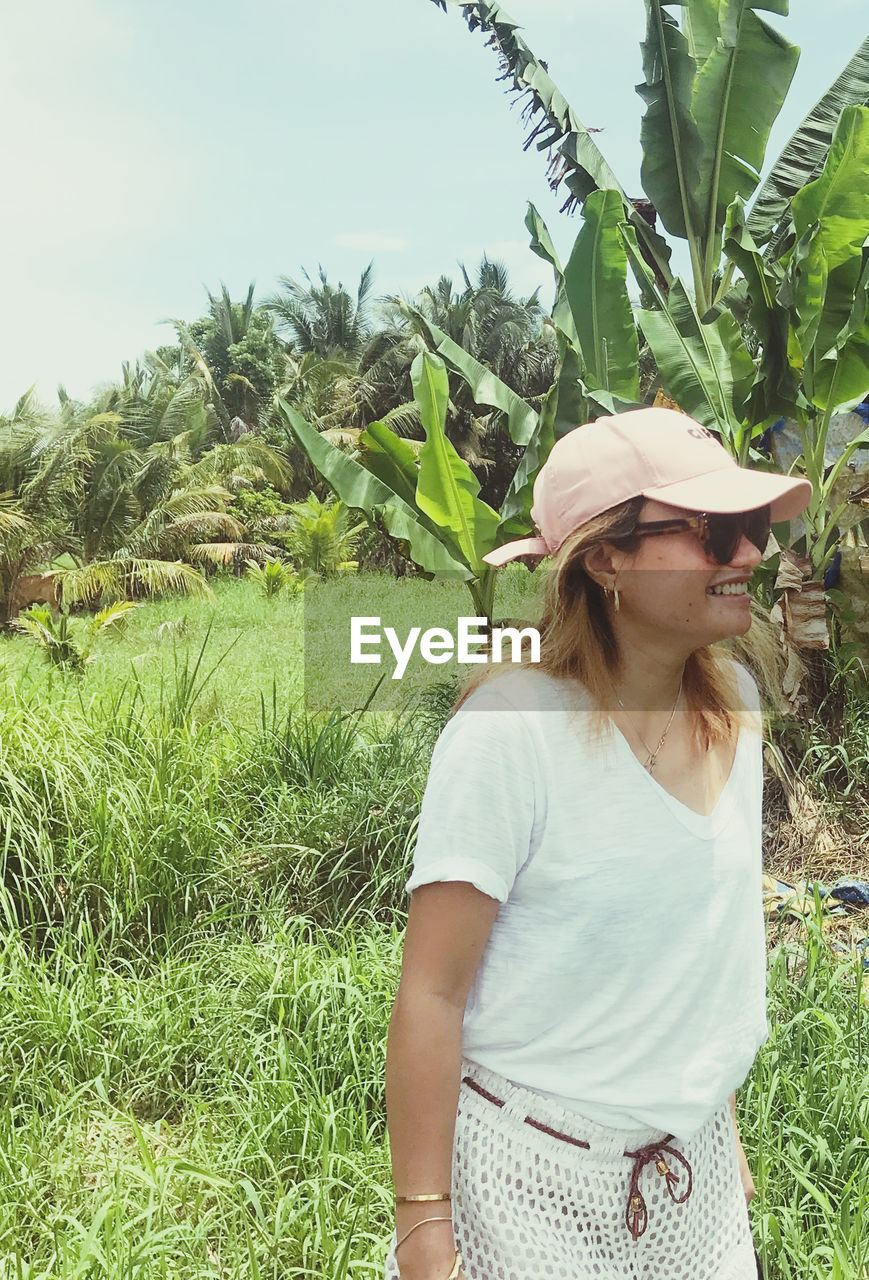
x=583 y=981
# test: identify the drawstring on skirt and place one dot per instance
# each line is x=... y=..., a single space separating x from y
x=636 y=1210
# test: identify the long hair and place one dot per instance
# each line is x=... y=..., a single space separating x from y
x=578 y=642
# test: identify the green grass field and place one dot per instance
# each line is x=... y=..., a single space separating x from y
x=202 y=927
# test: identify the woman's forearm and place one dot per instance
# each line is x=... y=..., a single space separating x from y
x=423 y=1066
x=744 y=1170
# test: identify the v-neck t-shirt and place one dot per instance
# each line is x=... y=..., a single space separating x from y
x=625 y=973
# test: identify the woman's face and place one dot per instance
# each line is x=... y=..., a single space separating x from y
x=664 y=586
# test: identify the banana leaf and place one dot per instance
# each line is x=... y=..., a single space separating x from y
x=705 y=368
x=803 y=157
x=804 y=290
x=578 y=164
x=358 y=488
x=391 y=459
x=839 y=202
x=541 y=244
x=775 y=387
x=446 y=487
x=595 y=286
x=670 y=139
x=485 y=387
x=515 y=517
x=738 y=93
x=712 y=93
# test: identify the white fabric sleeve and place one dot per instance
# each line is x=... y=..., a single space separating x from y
x=477 y=813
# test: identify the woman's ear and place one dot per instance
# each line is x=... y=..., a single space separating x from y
x=599 y=564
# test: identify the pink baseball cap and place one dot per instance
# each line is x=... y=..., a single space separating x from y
x=659 y=453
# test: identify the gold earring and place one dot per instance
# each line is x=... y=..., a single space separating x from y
x=615 y=594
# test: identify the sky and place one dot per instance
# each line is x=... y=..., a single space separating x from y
x=154 y=151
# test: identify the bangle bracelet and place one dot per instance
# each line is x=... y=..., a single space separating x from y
x=406 y=1199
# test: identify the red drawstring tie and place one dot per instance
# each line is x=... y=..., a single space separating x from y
x=637 y=1214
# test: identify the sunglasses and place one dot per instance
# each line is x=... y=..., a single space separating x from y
x=720 y=533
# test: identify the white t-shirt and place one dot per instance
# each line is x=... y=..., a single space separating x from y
x=625 y=973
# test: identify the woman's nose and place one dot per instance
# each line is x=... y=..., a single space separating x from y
x=747 y=554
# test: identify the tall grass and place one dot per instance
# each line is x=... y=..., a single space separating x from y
x=202 y=917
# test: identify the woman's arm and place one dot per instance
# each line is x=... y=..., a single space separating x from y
x=745 y=1173
x=422 y=1089
x=448 y=926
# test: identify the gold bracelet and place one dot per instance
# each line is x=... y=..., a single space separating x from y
x=406 y=1199
x=457 y=1261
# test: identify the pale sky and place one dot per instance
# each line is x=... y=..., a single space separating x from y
x=155 y=149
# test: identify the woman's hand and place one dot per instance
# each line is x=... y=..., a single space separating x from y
x=745 y=1173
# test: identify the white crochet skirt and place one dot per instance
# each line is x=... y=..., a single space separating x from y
x=527 y=1205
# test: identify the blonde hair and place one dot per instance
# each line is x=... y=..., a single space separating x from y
x=578 y=642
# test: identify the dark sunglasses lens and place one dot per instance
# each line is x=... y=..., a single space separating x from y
x=758 y=526
x=725 y=532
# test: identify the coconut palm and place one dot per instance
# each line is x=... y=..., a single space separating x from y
x=324 y=320
x=128 y=516
x=66 y=644
x=236 y=357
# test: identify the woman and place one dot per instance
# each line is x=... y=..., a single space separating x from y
x=583 y=979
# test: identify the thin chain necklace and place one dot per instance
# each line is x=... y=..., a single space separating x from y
x=653 y=755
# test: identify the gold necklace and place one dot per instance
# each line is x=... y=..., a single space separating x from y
x=653 y=755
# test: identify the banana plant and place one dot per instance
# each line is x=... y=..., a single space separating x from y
x=713 y=84
x=773 y=322
x=429 y=499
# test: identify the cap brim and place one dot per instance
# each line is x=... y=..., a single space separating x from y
x=513 y=550
x=737 y=489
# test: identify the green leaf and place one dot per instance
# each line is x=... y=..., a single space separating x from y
x=580 y=165
x=701 y=28
x=447 y=488
x=804 y=289
x=358 y=488
x=571 y=407
x=803 y=157
x=705 y=368
x=839 y=202
x=775 y=386
x=738 y=94
x=671 y=144
x=541 y=244
x=595 y=281
x=391 y=459
x=485 y=387
x=515 y=521
x=842 y=377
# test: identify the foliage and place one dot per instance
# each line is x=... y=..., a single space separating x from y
x=323 y=320
x=273 y=576
x=119 y=497
x=203 y=924
x=66 y=644
x=763 y=336
x=430 y=499
x=237 y=358
x=321 y=538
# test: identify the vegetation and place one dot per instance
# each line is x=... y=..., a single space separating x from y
x=209 y=818
x=203 y=908
x=777 y=323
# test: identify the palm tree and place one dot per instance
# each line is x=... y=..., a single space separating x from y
x=324 y=319
x=237 y=359
x=126 y=515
